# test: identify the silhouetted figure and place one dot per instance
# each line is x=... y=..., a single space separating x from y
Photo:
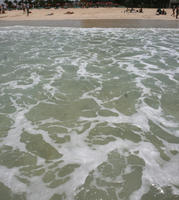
x=159 y=11
x=2 y=9
x=163 y=12
x=177 y=12
x=23 y=7
x=27 y=9
x=173 y=11
x=141 y=10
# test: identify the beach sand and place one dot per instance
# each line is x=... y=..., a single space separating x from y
x=90 y=17
x=84 y=13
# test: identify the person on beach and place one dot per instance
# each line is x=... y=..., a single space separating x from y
x=163 y=12
x=132 y=10
x=23 y=8
x=141 y=10
x=159 y=11
x=173 y=11
x=69 y=12
x=27 y=9
x=177 y=12
x=2 y=9
x=127 y=10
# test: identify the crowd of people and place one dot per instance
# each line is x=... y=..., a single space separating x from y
x=175 y=11
x=63 y=4
x=23 y=6
x=26 y=8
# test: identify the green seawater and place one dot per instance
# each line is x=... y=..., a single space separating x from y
x=89 y=114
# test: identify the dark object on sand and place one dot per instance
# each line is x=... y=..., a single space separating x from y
x=69 y=12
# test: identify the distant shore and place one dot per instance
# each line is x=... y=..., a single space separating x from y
x=84 y=13
x=90 y=17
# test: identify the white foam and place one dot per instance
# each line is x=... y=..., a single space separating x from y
x=111 y=46
x=7 y=177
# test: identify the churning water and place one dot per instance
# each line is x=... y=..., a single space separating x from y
x=89 y=114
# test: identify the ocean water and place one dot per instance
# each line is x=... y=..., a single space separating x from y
x=89 y=114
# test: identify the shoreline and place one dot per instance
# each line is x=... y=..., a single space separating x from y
x=89 y=18
x=96 y=23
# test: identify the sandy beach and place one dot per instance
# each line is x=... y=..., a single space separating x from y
x=84 y=13
x=90 y=17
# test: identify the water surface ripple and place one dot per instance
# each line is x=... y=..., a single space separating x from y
x=89 y=114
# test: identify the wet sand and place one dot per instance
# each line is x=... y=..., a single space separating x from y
x=96 y=23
